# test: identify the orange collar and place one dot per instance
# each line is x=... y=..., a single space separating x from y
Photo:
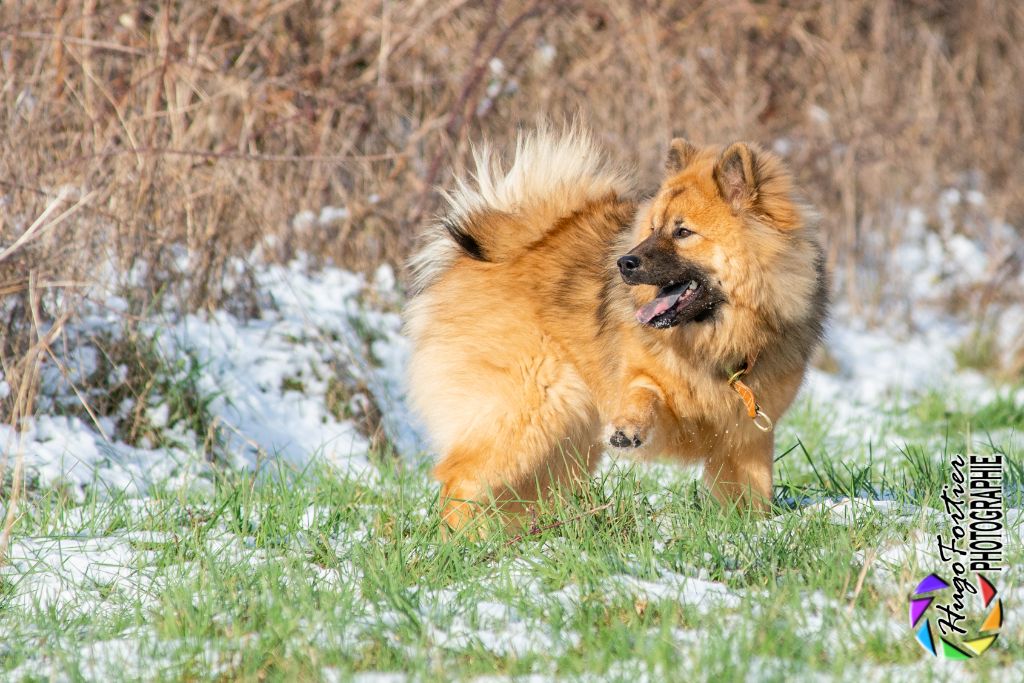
x=761 y=420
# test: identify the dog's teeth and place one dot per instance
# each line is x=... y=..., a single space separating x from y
x=692 y=285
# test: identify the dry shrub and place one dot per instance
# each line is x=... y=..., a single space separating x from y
x=197 y=130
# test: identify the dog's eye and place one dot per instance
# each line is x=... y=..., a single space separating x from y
x=681 y=231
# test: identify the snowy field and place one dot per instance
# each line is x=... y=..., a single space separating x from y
x=255 y=528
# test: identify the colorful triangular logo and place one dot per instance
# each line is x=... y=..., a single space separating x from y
x=930 y=583
x=951 y=651
x=994 y=620
x=917 y=608
x=988 y=591
x=924 y=636
x=979 y=645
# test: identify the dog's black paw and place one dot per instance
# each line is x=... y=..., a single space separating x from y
x=620 y=440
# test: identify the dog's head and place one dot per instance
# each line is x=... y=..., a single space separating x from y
x=718 y=235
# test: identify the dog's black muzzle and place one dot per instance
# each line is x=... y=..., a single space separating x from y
x=653 y=262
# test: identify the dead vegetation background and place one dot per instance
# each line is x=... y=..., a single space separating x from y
x=173 y=137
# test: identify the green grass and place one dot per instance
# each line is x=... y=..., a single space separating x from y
x=300 y=575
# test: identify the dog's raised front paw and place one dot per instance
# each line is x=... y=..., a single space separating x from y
x=626 y=434
x=620 y=440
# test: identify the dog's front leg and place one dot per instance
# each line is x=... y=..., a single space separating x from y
x=739 y=470
x=642 y=420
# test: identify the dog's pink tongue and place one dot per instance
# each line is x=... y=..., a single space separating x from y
x=658 y=306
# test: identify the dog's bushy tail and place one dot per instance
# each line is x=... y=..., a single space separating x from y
x=503 y=211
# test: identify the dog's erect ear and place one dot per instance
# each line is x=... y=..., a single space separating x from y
x=734 y=174
x=752 y=179
x=680 y=154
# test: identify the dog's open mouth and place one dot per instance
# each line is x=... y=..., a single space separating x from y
x=669 y=305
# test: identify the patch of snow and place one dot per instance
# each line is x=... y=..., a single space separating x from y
x=854 y=511
x=332 y=214
x=818 y=114
x=71 y=575
x=544 y=56
x=65 y=452
x=303 y=220
x=267 y=380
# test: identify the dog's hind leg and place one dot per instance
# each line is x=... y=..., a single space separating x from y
x=535 y=430
x=474 y=479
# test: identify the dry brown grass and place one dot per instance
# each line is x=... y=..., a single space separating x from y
x=189 y=132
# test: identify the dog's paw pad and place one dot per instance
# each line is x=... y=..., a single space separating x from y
x=620 y=440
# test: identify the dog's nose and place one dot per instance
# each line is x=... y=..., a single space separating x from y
x=628 y=263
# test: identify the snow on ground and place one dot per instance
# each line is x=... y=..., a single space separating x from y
x=73 y=574
x=268 y=381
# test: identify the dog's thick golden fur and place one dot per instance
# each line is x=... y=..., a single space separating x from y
x=554 y=317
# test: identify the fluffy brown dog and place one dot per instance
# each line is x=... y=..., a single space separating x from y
x=555 y=316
